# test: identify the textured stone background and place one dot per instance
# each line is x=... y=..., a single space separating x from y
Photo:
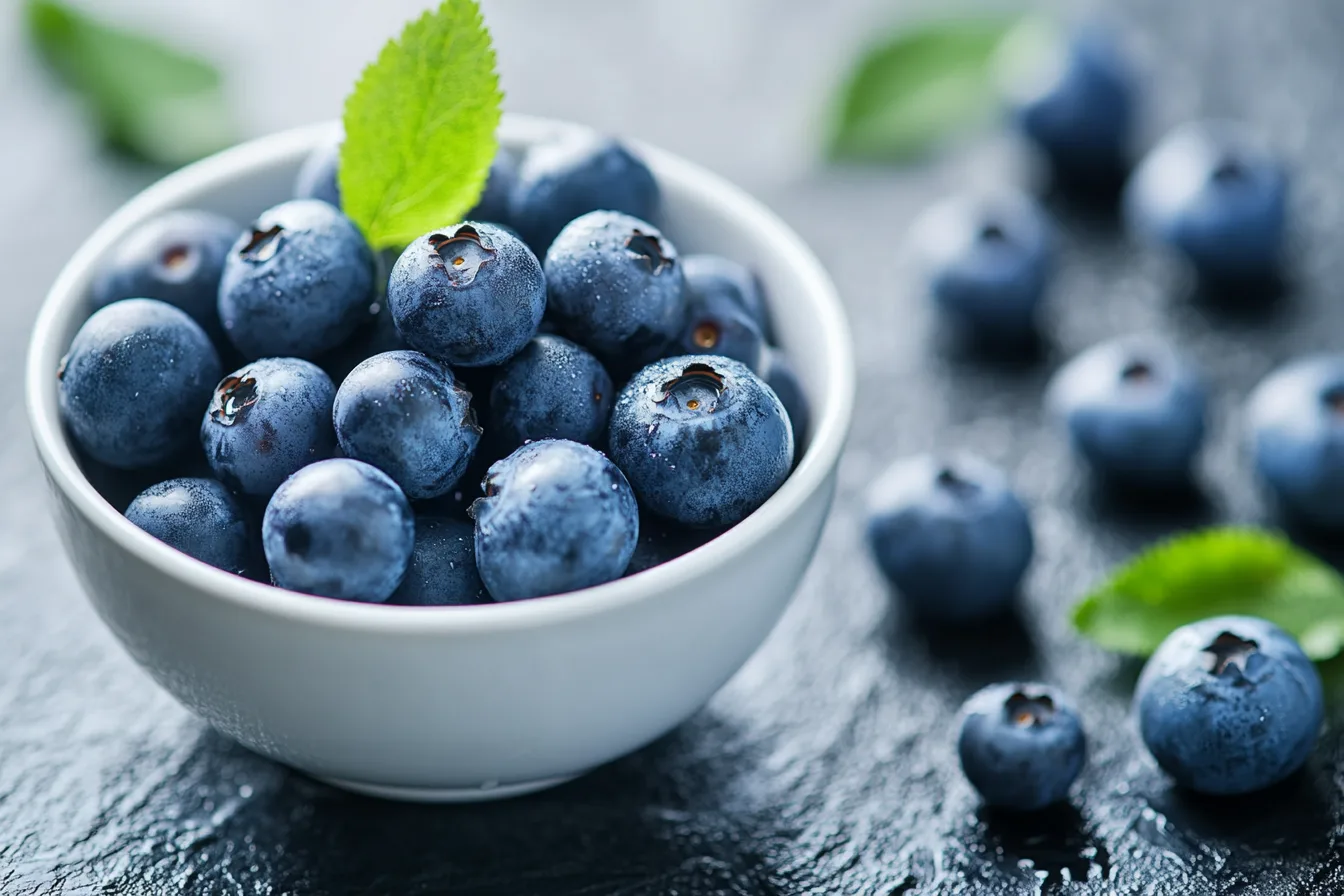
x=826 y=765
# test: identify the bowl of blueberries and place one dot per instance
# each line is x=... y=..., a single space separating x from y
x=454 y=523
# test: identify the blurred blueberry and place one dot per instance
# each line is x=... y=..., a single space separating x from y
x=493 y=206
x=710 y=278
x=781 y=376
x=318 y=175
x=198 y=517
x=717 y=324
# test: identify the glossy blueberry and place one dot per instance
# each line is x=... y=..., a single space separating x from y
x=578 y=173
x=442 y=571
x=557 y=516
x=987 y=261
x=779 y=374
x=493 y=206
x=266 y=420
x=1229 y=705
x=469 y=295
x=702 y=439
x=339 y=528
x=712 y=277
x=552 y=389
x=404 y=413
x=317 y=178
x=717 y=324
x=198 y=517
x=1021 y=745
x=298 y=283
x=951 y=535
x=1296 y=421
x=1134 y=410
x=177 y=258
x=1212 y=192
x=134 y=381
x=615 y=285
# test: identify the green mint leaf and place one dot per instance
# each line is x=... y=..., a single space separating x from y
x=148 y=99
x=1212 y=573
x=420 y=127
x=926 y=83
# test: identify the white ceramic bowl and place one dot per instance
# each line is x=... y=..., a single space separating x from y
x=454 y=703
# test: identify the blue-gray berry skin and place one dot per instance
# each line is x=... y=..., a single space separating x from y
x=716 y=324
x=134 y=382
x=265 y=421
x=987 y=261
x=557 y=516
x=442 y=571
x=1134 y=409
x=781 y=376
x=1229 y=705
x=1021 y=745
x=951 y=535
x=404 y=413
x=199 y=517
x=493 y=206
x=297 y=283
x=552 y=389
x=702 y=439
x=1296 y=422
x=576 y=174
x=1213 y=193
x=471 y=295
x=178 y=258
x=318 y=176
x=711 y=277
x=339 y=528
x=662 y=540
x=614 y=283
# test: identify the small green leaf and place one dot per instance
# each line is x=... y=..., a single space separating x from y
x=1212 y=573
x=420 y=127
x=922 y=85
x=149 y=99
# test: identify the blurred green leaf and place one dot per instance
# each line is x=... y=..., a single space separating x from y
x=148 y=99
x=925 y=83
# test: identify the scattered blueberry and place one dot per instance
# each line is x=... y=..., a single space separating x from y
x=266 y=420
x=134 y=381
x=557 y=516
x=198 y=517
x=579 y=173
x=615 y=284
x=717 y=324
x=1134 y=409
x=1021 y=745
x=339 y=528
x=404 y=413
x=469 y=295
x=1213 y=193
x=779 y=374
x=177 y=258
x=552 y=389
x=299 y=282
x=442 y=571
x=1229 y=705
x=702 y=439
x=317 y=178
x=713 y=277
x=951 y=536
x=493 y=206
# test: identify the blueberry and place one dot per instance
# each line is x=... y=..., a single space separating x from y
x=177 y=258
x=662 y=540
x=493 y=206
x=1214 y=194
x=198 y=517
x=404 y=413
x=703 y=440
x=469 y=295
x=1229 y=705
x=579 y=173
x=442 y=571
x=299 y=282
x=377 y=335
x=1021 y=745
x=557 y=516
x=318 y=176
x=779 y=374
x=134 y=381
x=266 y=420
x=951 y=536
x=987 y=261
x=1296 y=420
x=339 y=528
x=713 y=277
x=1134 y=410
x=552 y=389
x=716 y=324
x=615 y=285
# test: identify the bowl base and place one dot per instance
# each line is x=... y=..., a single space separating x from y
x=486 y=792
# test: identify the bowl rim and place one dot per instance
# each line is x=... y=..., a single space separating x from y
x=829 y=427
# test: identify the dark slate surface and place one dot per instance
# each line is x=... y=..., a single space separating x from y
x=826 y=765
